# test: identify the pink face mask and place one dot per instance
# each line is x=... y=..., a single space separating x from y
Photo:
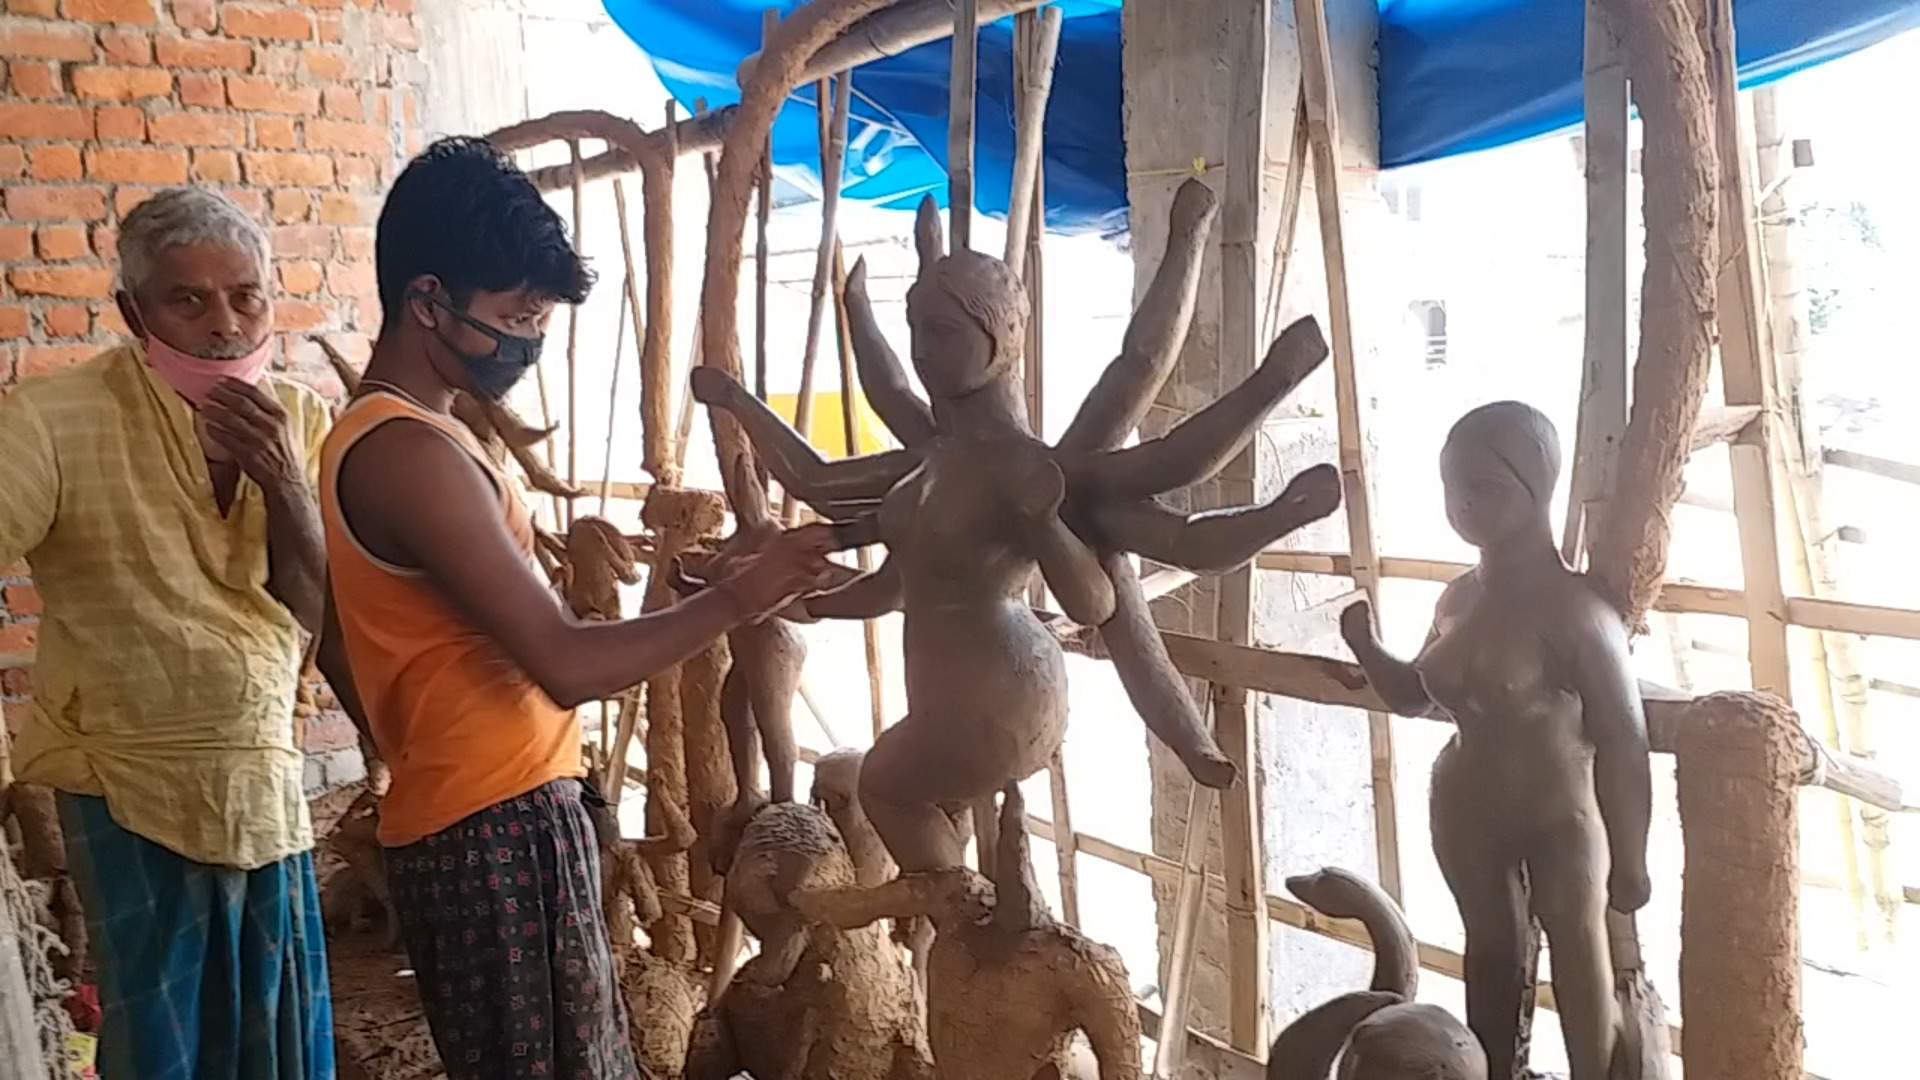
x=192 y=376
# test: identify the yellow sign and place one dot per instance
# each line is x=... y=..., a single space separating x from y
x=829 y=431
x=80 y=1053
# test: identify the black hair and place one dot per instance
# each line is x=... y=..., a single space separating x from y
x=465 y=213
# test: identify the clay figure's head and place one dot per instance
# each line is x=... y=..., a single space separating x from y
x=968 y=316
x=1498 y=469
x=1337 y=893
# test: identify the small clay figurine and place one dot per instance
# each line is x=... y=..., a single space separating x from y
x=975 y=504
x=1007 y=986
x=1380 y=1033
x=1547 y=771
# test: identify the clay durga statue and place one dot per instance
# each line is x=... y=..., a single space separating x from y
x=975 y=503
x=1544 y=788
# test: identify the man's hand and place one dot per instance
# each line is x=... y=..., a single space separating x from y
x=249 y=424
x=793 y=565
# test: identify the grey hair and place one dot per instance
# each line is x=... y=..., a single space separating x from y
x=177 y=217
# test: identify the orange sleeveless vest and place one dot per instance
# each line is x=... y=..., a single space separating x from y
x=459 y=725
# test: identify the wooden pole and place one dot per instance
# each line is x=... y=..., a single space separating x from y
x=1324 y=141
x=850 y=427
x=1030 y=129
x=613 y=396
x=656 y=353
x=573 y=333
x=1298 y=161
x=960 y=126
x=1169 y=1050
x=833 y=147
x=764 y=213
x=891 y=31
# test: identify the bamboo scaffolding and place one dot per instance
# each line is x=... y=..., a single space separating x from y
x=763 y=216
x=1033 y=87
x=573 y=332
x=1324 y=143
x=960 y=122
x=833 y=147
x=892 y=31
x=850 y=428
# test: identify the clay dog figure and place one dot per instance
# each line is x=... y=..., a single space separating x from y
x=1379 y=1033
x=1007 y=986
x=817 y=1002
x=1545 y=786
x=975 y=505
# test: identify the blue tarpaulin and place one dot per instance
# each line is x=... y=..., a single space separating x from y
x=1455 y=76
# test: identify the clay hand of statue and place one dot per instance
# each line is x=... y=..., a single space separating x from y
x=1356 y=627
x=1628 y=888
x=793 y=565
x=712 y=386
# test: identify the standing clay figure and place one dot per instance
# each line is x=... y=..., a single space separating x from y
x=975 y=504
x=1545 y=786
x=817 y=1002
x=1379 y=1033
x=1007 y=986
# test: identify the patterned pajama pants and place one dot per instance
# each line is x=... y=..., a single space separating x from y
x=502 y=920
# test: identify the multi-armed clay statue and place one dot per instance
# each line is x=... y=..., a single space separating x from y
x=1545 y=786
x=975 y=502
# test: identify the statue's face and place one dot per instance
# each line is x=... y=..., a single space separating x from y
x=953 y=353
x=1486 y=500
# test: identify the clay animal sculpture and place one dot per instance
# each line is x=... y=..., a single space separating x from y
x=1380 y=1033
x=817 y=1002
x=359 y=887
x=836 y=789
x=975 y=504
x=1007 y=986
x=1547 y=772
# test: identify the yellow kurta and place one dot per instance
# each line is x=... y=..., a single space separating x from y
x=166 y=673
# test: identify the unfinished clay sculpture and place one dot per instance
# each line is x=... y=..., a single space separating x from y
x=817 y=1002
x=1545 y=785
x=975 y=504
x=1007 y=986
x=1380 y=1033
x=358 y=890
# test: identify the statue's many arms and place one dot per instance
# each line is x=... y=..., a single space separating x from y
x=974 y=502
x=1545 y=785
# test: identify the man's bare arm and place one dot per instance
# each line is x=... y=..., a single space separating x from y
x=409 y=489
x=296 y=552
x=331 y=658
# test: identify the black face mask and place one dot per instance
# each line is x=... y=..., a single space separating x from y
x=490 y=375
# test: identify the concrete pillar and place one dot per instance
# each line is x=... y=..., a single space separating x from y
x=1314 y=762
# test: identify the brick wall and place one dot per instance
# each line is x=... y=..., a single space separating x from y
x=300 y=111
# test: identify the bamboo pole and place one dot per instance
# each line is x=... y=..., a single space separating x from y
x=960 y=122
x=634 y=307
x=613 y=391
x=850 y=427
x=657 y=384
x=1290 y=199
x=1033 y=91
x=891 y=31
x=763 y=205
x=833 y=148
x=1176 y=999
x=1324 y=141
x=573 y=332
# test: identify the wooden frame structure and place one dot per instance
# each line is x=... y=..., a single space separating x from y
x=1741 y=758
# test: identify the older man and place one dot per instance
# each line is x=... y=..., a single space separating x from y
x=162 y=493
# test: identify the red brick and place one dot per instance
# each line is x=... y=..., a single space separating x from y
x=62 y=242
x=67 y=320
x=399 y=32
x=127 y=46
x=81 y=282
x=346 y=136
x=399 y=7
x=275 y=133
x=287 y=170
x=330 y=5
x=19 y=120
x=134 y=12
x=204 y=53
x=297 y=316
x=341 y=103
x=60 y=161
x=356 y=244
x=253 y=202
x=16 y=683
x=47 y=41
x=14 y=319
x=330 y=731
x=137 y=165
x=197 y=129
x=127 y=196
x=20 y=637
x=202 y=91
x=297 y=278
x=358 y=173
x=367 y=314
x=264 y=95
x=195 y=15
x=329 y=26
x=340 y=209
x=40 y=359
x=303 y=242
x=56 y=203
x=291 y=206
x=16 y=243
x=104 y=239
x=13 y=160
x=107 y=320
x=122 y=123
x=273 y=24
x=216 y=166
x=352 y=279
x=22 y=601
x=35 y=79
x=38 y=9
x=122 y=83
x=322 y=64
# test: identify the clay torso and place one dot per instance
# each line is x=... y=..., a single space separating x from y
x=1494 y=666
x=953 y=527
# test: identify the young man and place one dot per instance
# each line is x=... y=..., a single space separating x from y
x=464 y=668
x=162 y=492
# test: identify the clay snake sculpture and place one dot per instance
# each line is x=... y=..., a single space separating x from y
x=1545 y=787
x=1380 y=1033
x=975 y=503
